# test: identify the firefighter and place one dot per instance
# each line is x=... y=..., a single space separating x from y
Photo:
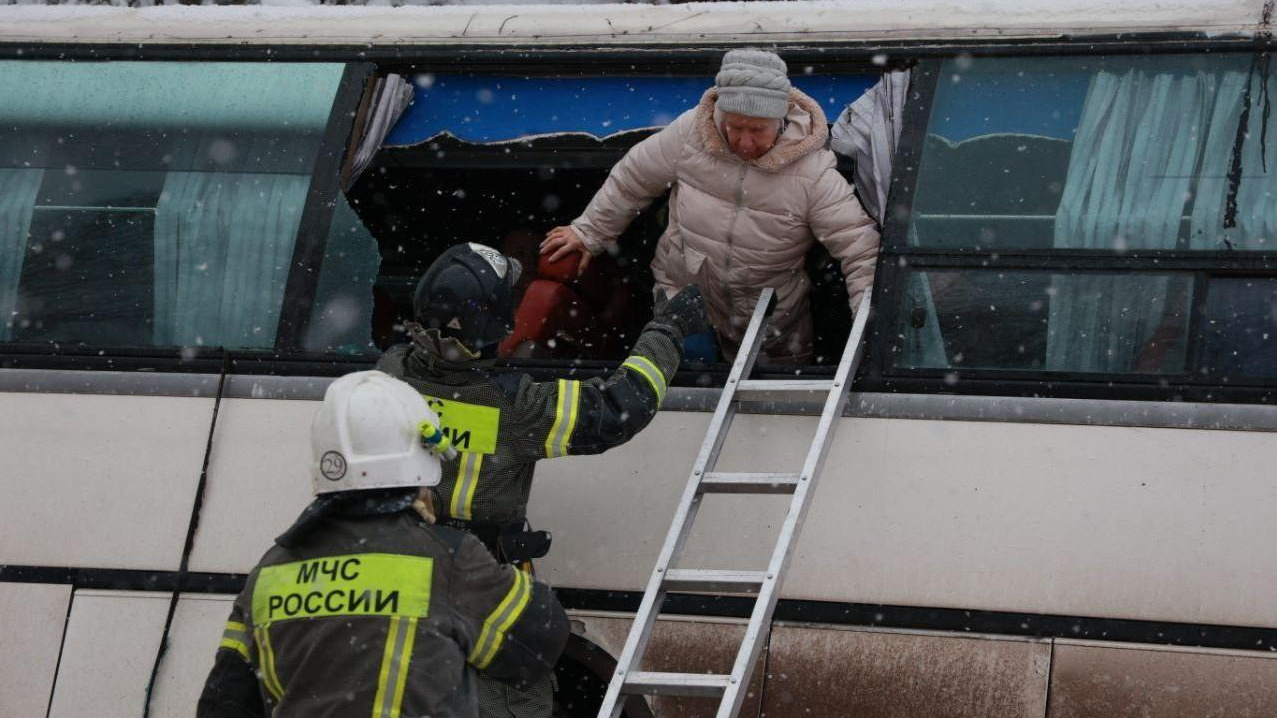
x=363 y=607
x=503 y=423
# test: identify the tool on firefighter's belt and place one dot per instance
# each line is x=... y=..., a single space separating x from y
x=731 y=689
x=435 y=440
x=524 y=545
x=508 y=541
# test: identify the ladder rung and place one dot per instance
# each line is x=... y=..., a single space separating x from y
x=675 y=684
x=766 y=388
x=717 y=482
x=711 y=581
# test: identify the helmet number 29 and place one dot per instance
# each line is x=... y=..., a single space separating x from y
x=333 y=466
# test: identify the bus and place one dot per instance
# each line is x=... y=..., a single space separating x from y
x=1051 y=494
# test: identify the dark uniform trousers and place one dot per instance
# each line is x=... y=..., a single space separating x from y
x=384 y=616
x=503 y=423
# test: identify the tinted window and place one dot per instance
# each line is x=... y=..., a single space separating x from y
x=1109 y=153
x=154 y=203
x=88 y=271
x=986 y=319
x=1240 y=328
x=1089 y=216
x=341 y=321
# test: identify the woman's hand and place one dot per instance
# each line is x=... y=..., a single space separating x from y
x=561 y=242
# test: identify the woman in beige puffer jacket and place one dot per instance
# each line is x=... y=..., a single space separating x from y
x=737 y=226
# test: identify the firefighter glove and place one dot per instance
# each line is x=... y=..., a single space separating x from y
x=686 y=310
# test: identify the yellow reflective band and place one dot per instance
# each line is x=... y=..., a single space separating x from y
x=500 y=620
x=470 y=427
x=462 y=504
x=383 y=676
x=649 y=371
x=235 y=637
x=266 y=656
x=521 y=603
x=238 y=646
x=393 y=676
x=565 y=412
x=401 y=678
x=366 y=584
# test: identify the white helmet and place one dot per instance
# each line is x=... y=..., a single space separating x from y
x=366 y=436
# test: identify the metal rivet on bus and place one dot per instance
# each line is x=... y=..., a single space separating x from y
x=659 y=569
x=733 y=680
x=697 y=472
x=769 y=577
x=732 y=380
x=804 y=478
x=620 y=671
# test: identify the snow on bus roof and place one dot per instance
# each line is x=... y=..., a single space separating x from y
x=629 y=24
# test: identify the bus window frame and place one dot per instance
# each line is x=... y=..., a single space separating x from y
x=897 y=259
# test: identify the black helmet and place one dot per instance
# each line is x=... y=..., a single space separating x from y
x=468 y=293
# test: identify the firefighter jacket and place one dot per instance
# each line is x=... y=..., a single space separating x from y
x=380 y=615
x=503 y=423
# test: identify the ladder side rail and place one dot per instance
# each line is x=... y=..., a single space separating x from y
x=689 y=505
x=765 y=605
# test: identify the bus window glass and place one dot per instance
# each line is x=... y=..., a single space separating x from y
x=1240 y=328
x=1037 y=320
x=341 y=322
x=153 y=203
x=1157 y=152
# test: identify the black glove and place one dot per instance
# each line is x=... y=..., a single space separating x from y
x=686 y=311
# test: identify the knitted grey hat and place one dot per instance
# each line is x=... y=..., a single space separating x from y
x=753 y=83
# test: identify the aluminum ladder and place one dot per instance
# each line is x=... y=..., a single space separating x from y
x=731 y=689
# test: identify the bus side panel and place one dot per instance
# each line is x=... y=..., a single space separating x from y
x=1116 y=522
x=111 y=642
x=258 y=481
x=1091 y=680
x=831 y=671
x=32 y=618
x=99 y=481
x=193 y=642
x=110 y=646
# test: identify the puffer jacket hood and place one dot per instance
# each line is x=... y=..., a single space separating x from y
x=806 y=130
x=738 y=226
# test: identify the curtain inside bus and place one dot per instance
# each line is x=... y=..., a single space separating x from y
x=18 y=189
x=868 y=131
x=381 y=109
x=1135 y=158
x=1156 y=152
x=223 y=246
x=1237 y=167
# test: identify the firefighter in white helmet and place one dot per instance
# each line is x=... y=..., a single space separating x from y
x=364 y=607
